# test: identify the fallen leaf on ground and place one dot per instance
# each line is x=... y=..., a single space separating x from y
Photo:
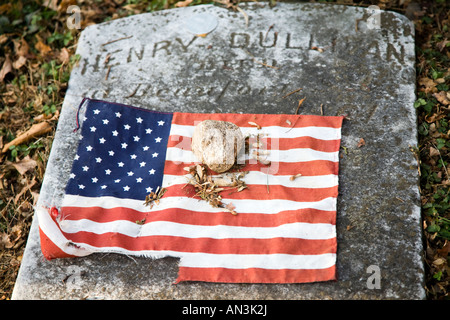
x=25 y=165
x=21 y=47
x=3 y=38
x=35 y=130
x=5 y=242
x=6 y=68
x=20 y=62
x=45 y=117
x=428 y=84
x=443 y=97
x=64 y=55
x=433 y=152
x=52 y=4
x=65 y=4
x=183 y=3
x=24 y=189
x=439 y=261
x=442 y=44
x=42 y=47
x=5 y=8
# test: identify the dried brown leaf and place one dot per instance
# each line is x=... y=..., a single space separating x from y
x=442 y=44
x=317 y=48
x=361 y=143
x=65 y=4
x=6 y=68
x=24 y=190
x=5 y=242
x=428 y=85
x=5 y=8
x=183 y=3
x=35 y=130
x=3 y=38
x=25 y=165
x=64 y=56
x=254 y=125
x=443 y=97
x=52 y=4
x=434 y=152
x=199 y=170
x=19 y=63
x=439 y=261
x=300 y=102
x=42 y=47
x=21 y=48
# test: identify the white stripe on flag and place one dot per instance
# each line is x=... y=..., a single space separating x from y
x=265 y=261
x=298 y=230
x=51 y=230
x=274 y=132
x=261 y=178
x=245 y=206
x=178 y=155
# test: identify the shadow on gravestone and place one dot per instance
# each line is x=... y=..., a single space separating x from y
x=347 y=60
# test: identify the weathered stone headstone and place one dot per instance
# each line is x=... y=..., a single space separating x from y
x=347 y=60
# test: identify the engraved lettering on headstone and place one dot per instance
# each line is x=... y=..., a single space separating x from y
x=239 y=40
x=161 y=45
x=161 y=92
x=134 y=50
x=111 y=57
x=288 y=42
x=185 y=47
x=392 y=51
x=85 y=64
x=374 y=49
x=263 y=42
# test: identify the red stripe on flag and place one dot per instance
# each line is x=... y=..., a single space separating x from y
x=261 y=192
x=310 y=168
x=186 y=216
x=206 y=245
x=49 y=249
x=242 y=120
x=256 y=275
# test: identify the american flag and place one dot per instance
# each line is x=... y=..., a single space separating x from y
x=285 y=227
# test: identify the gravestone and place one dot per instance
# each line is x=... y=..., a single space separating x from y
x=347 y=60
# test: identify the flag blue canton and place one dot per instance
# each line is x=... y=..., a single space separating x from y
x=121 y=152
